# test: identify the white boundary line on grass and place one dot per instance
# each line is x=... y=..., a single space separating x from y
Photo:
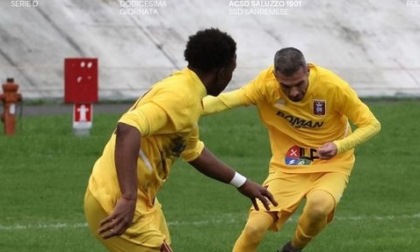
x=380 y=218
x=197 y=223
x=42 y=226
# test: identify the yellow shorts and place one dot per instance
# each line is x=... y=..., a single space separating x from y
x=146 y=234
x=290 y=189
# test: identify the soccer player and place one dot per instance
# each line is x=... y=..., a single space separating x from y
x=306 y=109
x=120 y=203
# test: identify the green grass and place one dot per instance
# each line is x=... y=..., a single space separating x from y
x=44 y=170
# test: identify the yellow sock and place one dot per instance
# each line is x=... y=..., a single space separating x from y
x=252 y=234
x=319 y=204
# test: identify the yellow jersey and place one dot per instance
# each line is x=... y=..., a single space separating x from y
x=167 y=118
x=297 y=129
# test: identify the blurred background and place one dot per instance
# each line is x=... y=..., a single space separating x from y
x=374 y=45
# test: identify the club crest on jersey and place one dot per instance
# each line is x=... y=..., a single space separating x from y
x=319 y=107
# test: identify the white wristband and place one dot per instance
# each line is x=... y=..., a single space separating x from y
x=238 y=180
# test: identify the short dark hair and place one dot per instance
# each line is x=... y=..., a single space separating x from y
x=210 y=49
x=289 y=60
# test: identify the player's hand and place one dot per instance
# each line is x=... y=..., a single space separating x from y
x=120 y=219
x=327 y=151
x=255 y=191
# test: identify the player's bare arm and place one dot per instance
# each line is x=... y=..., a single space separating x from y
x=126 y=154
x=210 y=166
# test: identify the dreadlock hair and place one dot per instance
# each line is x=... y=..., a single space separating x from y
x=210 y=49
x=289 y=60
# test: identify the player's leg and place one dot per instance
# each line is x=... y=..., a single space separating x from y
x=314 y=217
x=287 y=192
x=257 y=225
x=321 y=201
x=118 y=244
x=163 y=228
x=155 y=242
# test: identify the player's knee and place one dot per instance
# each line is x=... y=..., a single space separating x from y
x=254 y=233
x=319 y=205
x=258 y=223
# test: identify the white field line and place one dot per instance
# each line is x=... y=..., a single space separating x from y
x=42 y=226
x=379 y=218
x=200 y=223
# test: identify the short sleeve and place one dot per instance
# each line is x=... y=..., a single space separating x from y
x=193 y=148
x=148 y=118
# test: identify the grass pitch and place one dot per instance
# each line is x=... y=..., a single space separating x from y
x=44 y=170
